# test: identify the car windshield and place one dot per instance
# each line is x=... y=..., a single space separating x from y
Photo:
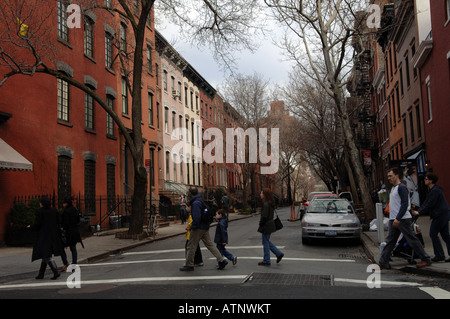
x=315 y=194
x=330 y=207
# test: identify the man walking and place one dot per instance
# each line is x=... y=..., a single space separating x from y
x=400 y=221
x=436 y=205
x=199 y=231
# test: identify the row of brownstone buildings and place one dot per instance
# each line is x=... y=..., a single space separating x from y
x=56 y=140
x=402 y=83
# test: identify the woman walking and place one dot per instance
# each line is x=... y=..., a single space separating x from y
x=48 y=238
x=267 y=227
x=70 y=221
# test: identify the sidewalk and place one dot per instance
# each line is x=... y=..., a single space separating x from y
x=15 y=262
x=370 y=243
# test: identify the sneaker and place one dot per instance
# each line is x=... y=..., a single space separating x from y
x=234 y=260
x=222 y=264
x=187 y=268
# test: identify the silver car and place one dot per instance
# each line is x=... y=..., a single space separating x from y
x=330 y=218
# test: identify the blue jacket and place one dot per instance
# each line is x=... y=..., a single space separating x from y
x=197 y=209
x=435 y=204
x=221 y=235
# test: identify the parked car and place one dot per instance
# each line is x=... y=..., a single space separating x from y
x=313 y=195
x=330 y=218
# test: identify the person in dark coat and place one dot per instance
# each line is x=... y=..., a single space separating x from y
x=267 y=227
x=70 y=221
x=48 y=238
x=436 y=205
x=221 y=235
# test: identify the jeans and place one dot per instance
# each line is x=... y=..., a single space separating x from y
x=269 y=247
x=440 y=225
x=405 y=227
x=224 y=252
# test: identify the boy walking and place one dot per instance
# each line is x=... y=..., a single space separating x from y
x=221 y=236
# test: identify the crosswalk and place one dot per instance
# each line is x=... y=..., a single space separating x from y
x=175 y=258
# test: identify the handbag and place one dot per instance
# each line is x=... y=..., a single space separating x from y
x=278 y=223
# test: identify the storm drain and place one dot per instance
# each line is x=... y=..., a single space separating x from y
x=290 y=279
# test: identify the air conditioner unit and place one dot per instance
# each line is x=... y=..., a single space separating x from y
x=175 y=93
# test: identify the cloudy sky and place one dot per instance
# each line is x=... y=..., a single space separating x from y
x=267 y=60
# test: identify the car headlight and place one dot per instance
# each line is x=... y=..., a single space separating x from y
x=305 y=224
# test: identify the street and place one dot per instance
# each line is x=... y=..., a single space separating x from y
x=321 y=270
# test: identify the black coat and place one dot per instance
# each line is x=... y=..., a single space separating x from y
x=70 y=221
x=48 y=237
x=266 y=223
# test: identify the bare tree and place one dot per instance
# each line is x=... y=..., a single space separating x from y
x=27 y=47
x=248 y=94
x=321 y=32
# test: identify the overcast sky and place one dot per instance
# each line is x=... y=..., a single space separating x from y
x=267 y=60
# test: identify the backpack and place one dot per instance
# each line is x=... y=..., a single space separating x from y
x=208 y=212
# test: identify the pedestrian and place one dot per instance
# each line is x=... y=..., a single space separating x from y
x=70 y=221
x=267 y=227
x=198 y=259
x=436 y=205
x=400 y=221
x=221 y=236
x=48 y=237
x=199 y=231
x=183 y=214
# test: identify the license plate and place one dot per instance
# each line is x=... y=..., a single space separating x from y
x=331 y=233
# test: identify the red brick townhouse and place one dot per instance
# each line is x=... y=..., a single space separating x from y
x=73 y=146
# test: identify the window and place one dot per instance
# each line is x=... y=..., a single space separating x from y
x=174 y=117
x=152 y=175
x=111 y=185
x=88 y=111
x=150 y=108
x=89 y=187
x=63 y=30
x=411 y=126
x=413 y=52
x=108 y=3
x=408 y=81
x=149 y=59
x=123 y=38
x=124 y=96
x=108 y=50
x=430 y=109
x=167 y=165
x=174 y=167
x=405 y=132
x=447 y=7
x=88 y=37
x=166 y=119
x=401 y=80
x=109 y=119
x=165 y=80
x=63 y=100
x=419 y=128
x=64 y=177
x=180 y=125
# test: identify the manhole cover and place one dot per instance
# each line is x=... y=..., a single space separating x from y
x=290 y=279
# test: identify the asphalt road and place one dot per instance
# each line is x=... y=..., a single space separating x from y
x=324 y=270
